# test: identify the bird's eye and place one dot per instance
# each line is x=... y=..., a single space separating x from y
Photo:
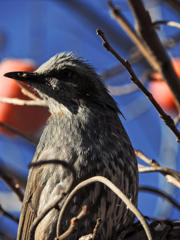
x=67 y=73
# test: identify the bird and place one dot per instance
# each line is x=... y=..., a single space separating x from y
x=85 y=131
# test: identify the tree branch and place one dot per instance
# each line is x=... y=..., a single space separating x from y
x=171 y=175
x=166 y=118
x=168 y=23
x=92 y=236
x=6 y=214
x=113 y=188
x=20 y=102
x=128 y=88
x=12 y=184
x=160 y=193
x=161 y=59
x=74 y=222
x=136 y=56
x=175 y=4
x=17 y=132
x=26 y=92
x=123 y=22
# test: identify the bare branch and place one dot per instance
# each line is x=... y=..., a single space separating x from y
x=94 y=18
x=6 y=214
x=20 y=102
x=165 y=171
x=144 y=158
x=136 y=56
x=118 y=16
x=122 y=90
x=74 y=222
x=17 y=132
x=148 y=43
x=26 y=92
x=172 y=176
x=176 y=119
x=128 y=88
x=18 y=178
x=92 y=236
x=147 y=32
x=173 y=180
x=161 y=230
x=5 y=236
x=160 y=193
x=82 y=184
x=117 y=191
x=167 y=119
x=160 y=169
x=86 y=237
x=12 y=184
x=175 y=4
x=98 y=222
x=168 y=23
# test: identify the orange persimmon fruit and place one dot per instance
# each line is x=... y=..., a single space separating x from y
x=27 y=119
x=161 y=91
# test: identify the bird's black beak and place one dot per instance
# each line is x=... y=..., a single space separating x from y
x=26 y=77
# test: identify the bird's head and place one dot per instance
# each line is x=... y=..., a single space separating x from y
x=67 y=80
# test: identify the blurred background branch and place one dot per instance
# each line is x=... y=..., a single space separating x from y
x=43 y=28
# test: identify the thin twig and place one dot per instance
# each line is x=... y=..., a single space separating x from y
x=21 y=102
x=17 y=132
x=21 y=180
x=136 y=56
x=122 y=90
x=5 y=213
x=116 y=190
x=118 y=16
x=12 y=184
x=154 y=164
x=5 y=236
x=177 y=119
x=172 y=180
x=112 y=72
x=172 y=176
x=26 y=92
x=74 y=222
x=92 y=236
x=168 y=23
x=128 y=88
x=166 y=118
x=148 y=43
x=86 y=237
x=175 y=4
x=160 y=193
x=161 y=59
x=144 y=158
x=56 y=202
x=95 y=230
x=165 y=171
x=90 y=15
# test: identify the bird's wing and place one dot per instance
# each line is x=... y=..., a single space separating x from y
x=29 y=211
x=37 y=194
